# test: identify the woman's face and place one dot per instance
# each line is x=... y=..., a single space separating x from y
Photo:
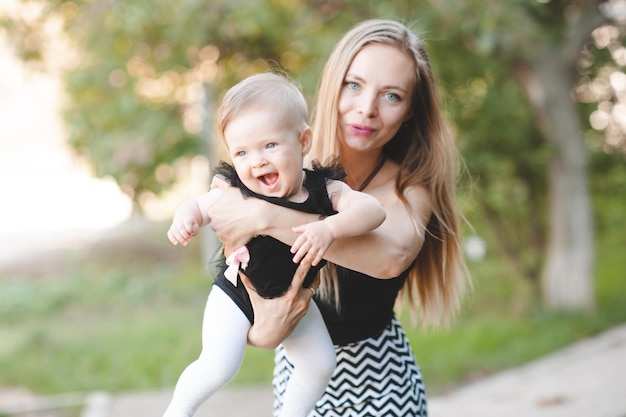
x=375 y=98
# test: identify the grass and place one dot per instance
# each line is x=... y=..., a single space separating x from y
x=126 y=315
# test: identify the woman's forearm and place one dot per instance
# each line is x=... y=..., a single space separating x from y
x=382 y=253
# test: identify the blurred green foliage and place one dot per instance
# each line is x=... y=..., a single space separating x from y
x=143 y=84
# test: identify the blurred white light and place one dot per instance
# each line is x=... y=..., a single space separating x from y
x=619 y=113
x=618 y=81
x=475 y=248
x=599 y=120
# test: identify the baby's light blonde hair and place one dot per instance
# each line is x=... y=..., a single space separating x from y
x=266 y=90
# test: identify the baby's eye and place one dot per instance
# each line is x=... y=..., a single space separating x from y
x=240 y=154
x=270 y=145
x=392 y=96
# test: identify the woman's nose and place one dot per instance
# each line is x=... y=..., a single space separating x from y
x=368 y=106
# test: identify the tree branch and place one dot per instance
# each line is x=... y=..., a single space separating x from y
x=590 y=18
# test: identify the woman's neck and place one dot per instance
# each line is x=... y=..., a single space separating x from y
x=360 y=167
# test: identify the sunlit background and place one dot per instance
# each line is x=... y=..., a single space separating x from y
x=50 y=198
x=47 y=194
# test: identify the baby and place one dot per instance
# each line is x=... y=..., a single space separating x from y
x=263 y=122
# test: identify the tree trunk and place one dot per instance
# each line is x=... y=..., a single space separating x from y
x=568 y=274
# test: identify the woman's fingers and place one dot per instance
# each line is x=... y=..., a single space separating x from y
x=298 y=278
x=275 y=319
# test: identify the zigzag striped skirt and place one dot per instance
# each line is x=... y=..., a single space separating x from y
x=375 y=377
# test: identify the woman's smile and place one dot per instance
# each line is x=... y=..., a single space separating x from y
x=361 y=130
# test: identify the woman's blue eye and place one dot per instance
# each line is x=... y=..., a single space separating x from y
x=392 y=96
x=352 y=85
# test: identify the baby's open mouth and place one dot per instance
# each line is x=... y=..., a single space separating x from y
x=269 y=179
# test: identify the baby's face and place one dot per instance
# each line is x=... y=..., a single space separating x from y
x=266 y=152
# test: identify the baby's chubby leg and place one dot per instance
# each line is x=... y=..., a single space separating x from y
x=224 y=337
x=311 y=351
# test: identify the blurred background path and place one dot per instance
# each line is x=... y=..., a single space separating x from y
x=587 y=379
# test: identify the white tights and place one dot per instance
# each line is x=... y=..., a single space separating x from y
x=224 y=338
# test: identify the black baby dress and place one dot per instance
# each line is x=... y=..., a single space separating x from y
x=270 y=268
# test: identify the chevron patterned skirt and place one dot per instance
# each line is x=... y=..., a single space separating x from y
x=375 y=377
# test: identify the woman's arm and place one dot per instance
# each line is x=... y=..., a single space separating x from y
x=390 y=249
x=236 y=219
x=316 y=237
x=397 y=241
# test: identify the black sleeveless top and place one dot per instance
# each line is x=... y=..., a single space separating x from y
x=366 y=306
x=271 y=268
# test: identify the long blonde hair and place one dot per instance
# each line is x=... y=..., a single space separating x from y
x=425 y=149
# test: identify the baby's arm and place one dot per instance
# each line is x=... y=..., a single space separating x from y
x=358 y=213
x=190 y=216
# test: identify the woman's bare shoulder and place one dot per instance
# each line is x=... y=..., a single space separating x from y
x=419 y=201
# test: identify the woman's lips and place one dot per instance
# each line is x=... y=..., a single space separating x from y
x=360 y=130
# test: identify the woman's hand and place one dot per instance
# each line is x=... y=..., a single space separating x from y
x=234 y=219
x=276 y=318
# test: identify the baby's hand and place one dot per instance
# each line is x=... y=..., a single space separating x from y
x=182 y=230
x=314 y=240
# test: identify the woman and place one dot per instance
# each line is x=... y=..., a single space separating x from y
x=378 y=111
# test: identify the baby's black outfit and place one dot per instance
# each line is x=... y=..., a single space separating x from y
x=271 y=268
